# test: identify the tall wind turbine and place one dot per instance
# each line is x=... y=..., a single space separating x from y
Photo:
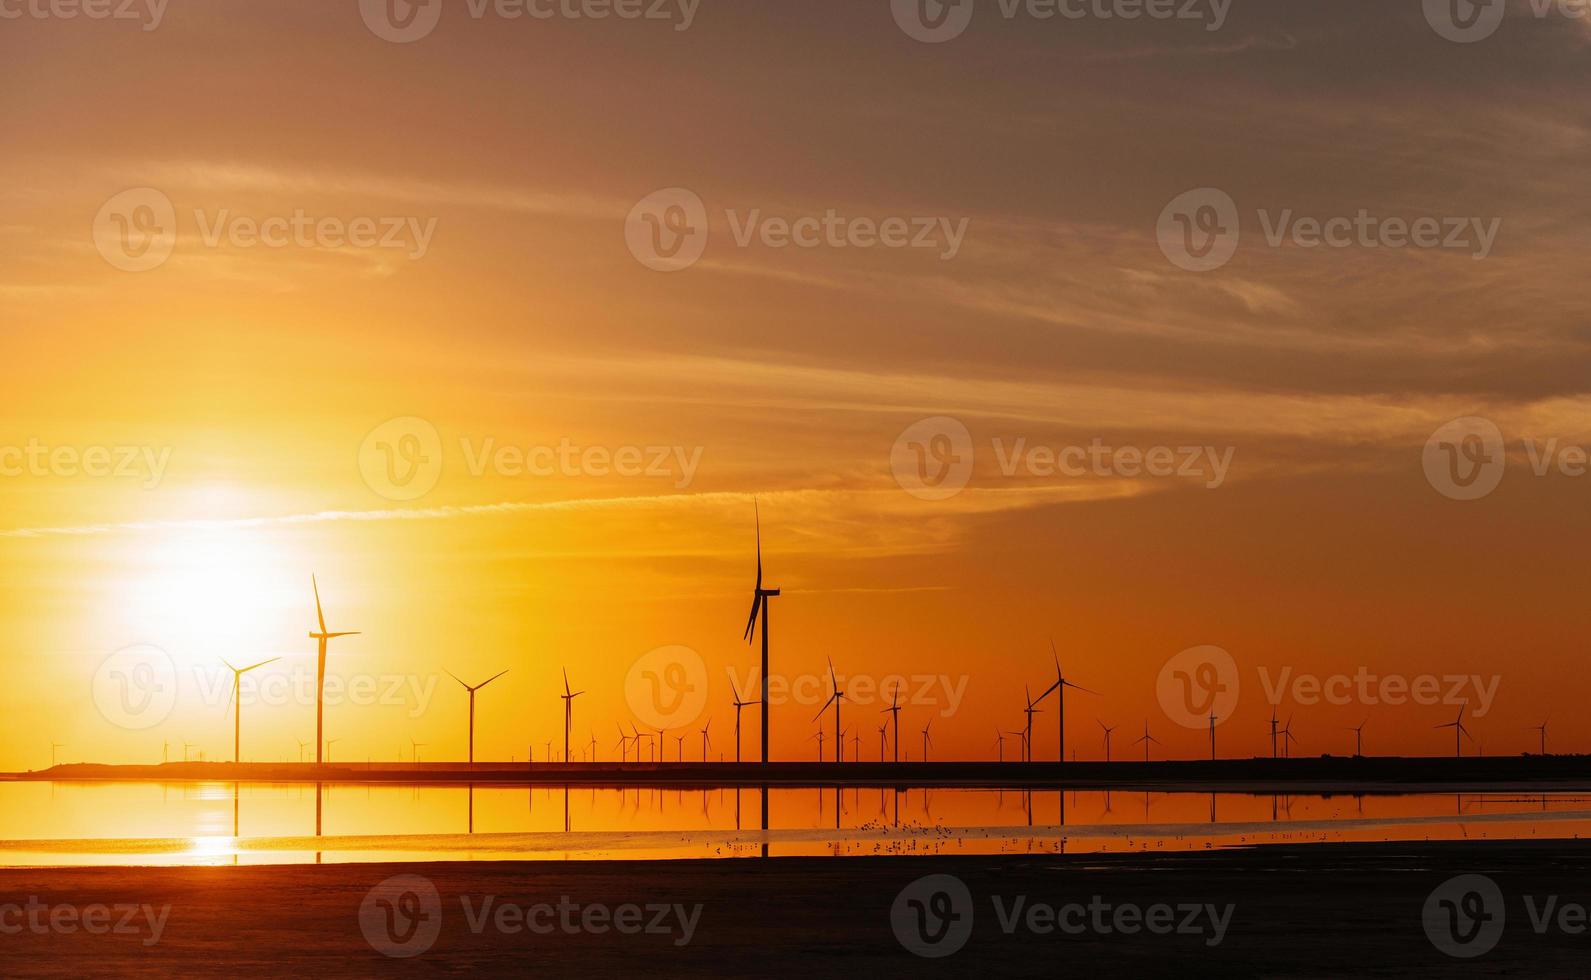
x=54 y=747
x=740 y=702
x=928 y=740
x=472 y=691
x=623 y=744
x=834 y=699
x=1146 y=739
x=568 y=712
x=322 y=639
x=1358 y=737
x=1288 y=741
x=894 y=712
x=1273 y=731
x=883 y=740
x=759 y=604
x=1107 y=729
x=1542 y=728
x=329 y=743
x=999 y=743
x=1457 y=725
x=1059 y=688
x=819 y=737
x=237 y=719
x=414 y=749
x=1212 y=736
x=301 y=744
x=706 y=738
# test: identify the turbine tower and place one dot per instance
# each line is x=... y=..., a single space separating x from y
x=1457 y=725
x=834 y=699
x=740 y=702
x=1107 y=729
x=472 y=691
x=894 y=712
x=928 y=740
x=237 y=719
x=322 y=639
x=1146 y=739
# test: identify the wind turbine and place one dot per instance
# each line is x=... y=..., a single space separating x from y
x=1457 y=725
x=883 y=740
x=1288 y=741
x=415 y=748
x=472 y=691
x=894 y=712
x=819 y=737
x=329 y=743
x=928 y=740
x=706 y=738
x=1542 y=728
x=1212 y=736
x=592 y=745
x=1107 y=729
x=1273 y=731
x=759 y=604
x=834 y=699
x=237 y=719
x=301 y=744
x=53 y=747
x=1027 y=730
x=1146 y=739
x=322 y=639
x=623 y=745
x=679 y=748
x=1059 y=687
x=740 y=702
x=568 y=712
x=999 y=743
x=1358 y=737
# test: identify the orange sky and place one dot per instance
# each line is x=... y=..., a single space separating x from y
x=253 y=375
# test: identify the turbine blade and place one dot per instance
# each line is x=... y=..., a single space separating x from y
x=318 y=613
x=490 y=679
x=456 y=677
x=756 y=607
x=262 y=663
x=824 y=708
x=1080 y=688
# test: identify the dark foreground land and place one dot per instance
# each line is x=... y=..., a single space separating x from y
x=1312 y=910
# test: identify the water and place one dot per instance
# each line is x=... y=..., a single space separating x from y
x=45 y=823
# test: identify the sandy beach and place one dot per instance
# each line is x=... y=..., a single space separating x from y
x=1291 y=911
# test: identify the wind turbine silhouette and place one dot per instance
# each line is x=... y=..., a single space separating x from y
x=894 y=712
x=1542 y=728
x=623 y=744
x=1146 y=739
x=415 y=747
x=999 y=743
x=301 y=744
x=472 y=691
x=834 y=699
x=819 y=737
x=568 y=712
x=706 y=738
x=1212 y=736
x=740 y=702
x=928 y=740
x=1059 y=687
x=53 y=747
x=1358 y=737
x=592 y=746
x=236 y=698
x=883 y=740
x=329 y=743
x=1273 y=731
x=1107 y=729
x=1288 y=741
x=322 y=639
x=1457 y=725
x=1027 y=730
x=759 y=604
x=186 y=745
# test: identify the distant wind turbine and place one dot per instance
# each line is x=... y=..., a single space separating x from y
x=759 y=604
x=999 y=743
x=1107 y=729
x=329 y=743
x=819 y=737
x=1146 y=739
x=1027 y=729
x=472 y=691
x=883 y=740
x=1358 y=737
x=54 y=747
x=706 y=738
x=321 y=638
x=237 y=699
x=1288 y=741
x=1273 y=731
x=740 y=702
x=301 y=744
x=928 y=740
x=1542 y=728
x=568 y=712
x=894 y=712
x=1212 y=736
x=414 y=749
x=1457 y=725
x=835 y=698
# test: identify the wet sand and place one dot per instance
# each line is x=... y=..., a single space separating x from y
x=1313 y=910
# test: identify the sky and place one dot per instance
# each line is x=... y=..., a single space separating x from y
x=469 y=384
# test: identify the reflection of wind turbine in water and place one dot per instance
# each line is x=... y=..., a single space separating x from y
x=1457 y=725
x=1059 y=689
x=472 y=691
x=1146 y=739
x=740 y=702
x=236 y=698
x=568 y=712
x=321 y=638
x=835 y=698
